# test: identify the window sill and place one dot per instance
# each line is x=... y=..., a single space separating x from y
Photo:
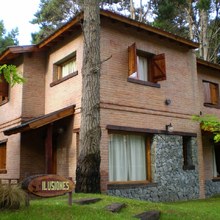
x=212 y=106
x=145 y=83
x=128 y=185
x=63 y=79
x=189 y=167
x=3 y=171
x=216 y=179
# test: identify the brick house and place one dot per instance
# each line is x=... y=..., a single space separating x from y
x=150 y=88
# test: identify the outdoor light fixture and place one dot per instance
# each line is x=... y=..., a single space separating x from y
x=167 y=102
x=169 y=128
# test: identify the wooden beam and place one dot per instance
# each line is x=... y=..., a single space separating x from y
x=49 y=150
x=51 y=118
x=41 y=121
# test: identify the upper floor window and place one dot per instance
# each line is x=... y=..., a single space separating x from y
x=2 y=156
x=211 y=93
x=65 y=68
x=4 y=90
x=146 y=66
x=129 y=158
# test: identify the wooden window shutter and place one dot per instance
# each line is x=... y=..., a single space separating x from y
x=3 y=87
x=158 y=68
x=132 y=59
x=214 y=93
x=3 y=156
x=207 y=93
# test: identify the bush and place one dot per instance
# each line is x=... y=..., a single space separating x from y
x=12 y=196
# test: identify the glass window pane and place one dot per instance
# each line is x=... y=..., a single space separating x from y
x=127 y=158
x=142 y=68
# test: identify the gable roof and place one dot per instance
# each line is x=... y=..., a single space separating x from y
x=76 y=24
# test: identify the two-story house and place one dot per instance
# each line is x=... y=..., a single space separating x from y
x=150 y=88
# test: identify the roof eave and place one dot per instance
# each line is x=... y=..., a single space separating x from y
x=16 y=50
x=149 y=28
x=208 y=64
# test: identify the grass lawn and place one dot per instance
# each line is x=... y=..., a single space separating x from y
x=58 y=209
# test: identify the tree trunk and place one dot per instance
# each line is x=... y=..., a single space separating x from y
x=88 y=165
x=203 y=34
x=190 y=19
x=132 y=9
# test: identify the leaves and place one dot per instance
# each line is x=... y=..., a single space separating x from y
x=209 y=123
x=11 y=75
x=7 y=39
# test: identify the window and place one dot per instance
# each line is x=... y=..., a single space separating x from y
x=187 y=154
x=2 y=156
x=216 y=160
x=145 y=66
x=65 y=67
x=4 y=90
x=129 y=158
x=211 y=93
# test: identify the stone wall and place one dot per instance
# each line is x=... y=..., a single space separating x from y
x=212 y=188
x=170 y=181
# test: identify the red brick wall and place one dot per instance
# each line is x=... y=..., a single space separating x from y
x=212 y=75
x=127 y=104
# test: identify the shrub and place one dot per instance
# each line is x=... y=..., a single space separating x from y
x=12 y=196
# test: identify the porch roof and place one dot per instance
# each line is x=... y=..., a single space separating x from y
x=41 y=121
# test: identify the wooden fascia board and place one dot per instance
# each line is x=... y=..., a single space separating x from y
x=208 y=64
x=52 y=118
x=17 y=50
x=16 y=130
x=41 y=121
x=151 y=29
x=61 y=30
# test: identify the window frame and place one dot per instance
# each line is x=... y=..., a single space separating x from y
x=4 y=90
x=209 y=96
x=216 y=147
x=3 y=149
x=57 y=69
x=148 y=139
x=156 y=68
x=187 y=153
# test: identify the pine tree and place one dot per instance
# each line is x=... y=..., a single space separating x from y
x=7 y=38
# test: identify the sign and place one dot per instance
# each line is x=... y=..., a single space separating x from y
x=49 y=185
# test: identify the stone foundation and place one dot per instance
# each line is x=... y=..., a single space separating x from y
x=170 y=181
x=212 y=188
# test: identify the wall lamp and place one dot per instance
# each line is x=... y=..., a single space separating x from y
x=169 y=128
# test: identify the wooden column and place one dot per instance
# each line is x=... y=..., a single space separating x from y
x=49 y=150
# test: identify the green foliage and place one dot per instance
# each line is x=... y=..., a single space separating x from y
x=209 y=123
x=51 y=15
x=170 y=16
x=7 y=39
x=204 y=5
x=11 y=75
x=57 y=208
x=11 y=196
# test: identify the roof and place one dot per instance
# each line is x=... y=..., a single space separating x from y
x=14 y=51
x=208 y=64
x=41 y=121
x=76 y=24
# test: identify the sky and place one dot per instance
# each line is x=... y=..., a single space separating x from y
x=19 y=13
